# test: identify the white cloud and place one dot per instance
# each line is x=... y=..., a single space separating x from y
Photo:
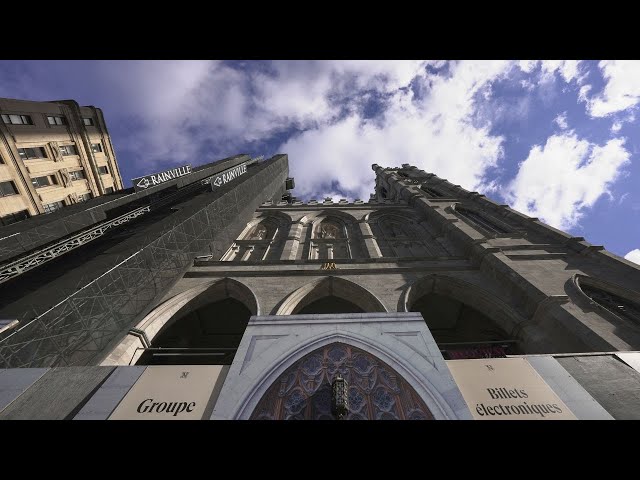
x=615 y=128
x=561 y=121
x=622 y=198
x=621 y=91
x=434 y=133
x=633 y=256
x=568 y=70
x=179 y=106
x=559 y=181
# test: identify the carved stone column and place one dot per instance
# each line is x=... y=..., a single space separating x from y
x=369 y=240
x=290 y=249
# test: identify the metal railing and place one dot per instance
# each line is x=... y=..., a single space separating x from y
x=51 y=252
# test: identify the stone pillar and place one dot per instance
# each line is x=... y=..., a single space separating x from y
x=369 y=240
x=247 y=253
x=290 y=249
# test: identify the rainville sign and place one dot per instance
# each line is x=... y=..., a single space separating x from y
x=226 y=176
x=506 y=389
x=142 y=183
x=176 y=392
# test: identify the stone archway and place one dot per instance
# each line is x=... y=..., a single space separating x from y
x=505 y=316
x=330 y=287
x=465 y=320
x=127 y=352
x=376 y=391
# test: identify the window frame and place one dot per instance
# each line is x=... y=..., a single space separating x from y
x=75 y=150
x=80 y=171
x=23 y=151
x=53 y=181
x=91 y=122
x=49 y=210
x=106 y=170
x=13 y=185
x=100 y=149
x=61 y=118
x=24 y=119
x=81 y=197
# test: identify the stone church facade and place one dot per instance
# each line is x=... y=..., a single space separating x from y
x=424 y=272
x=221 y=296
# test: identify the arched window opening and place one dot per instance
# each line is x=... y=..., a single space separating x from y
x=330 y=241
x=209 y=335
x=622 y=307
x=462 y=331
x=258 y=243
x=480 y=220
x=402 y=236
x=375 y=390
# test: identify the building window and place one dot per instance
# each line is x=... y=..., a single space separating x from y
x=87 y=121
x=96 y=147
x=52 y=207
x=14 y=217
x=7 y=189
x=17 y=119
x=32 y=153
x=68 y=150
x=53 y=120
x=480 y=220
x=1 y=160
x=84 y=197
x=104 y=170
x=40 y=182
x=109 y=190
x=432 y=192
x=77 y=175
x=622 y=307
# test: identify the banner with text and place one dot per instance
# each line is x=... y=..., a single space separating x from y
x=506 y=389
x=171 y=392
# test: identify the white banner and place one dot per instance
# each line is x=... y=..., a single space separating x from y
x=506 y=389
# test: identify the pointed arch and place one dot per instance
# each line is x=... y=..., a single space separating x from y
x=332 y=234
x=490 y=305
x=404 y=233
x=263 y=238
x=376 y=390
x=173 y=309
x=435 y=392
x=326 y=287
x=619 y=305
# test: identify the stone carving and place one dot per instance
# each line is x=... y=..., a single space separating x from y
x=329 y=230
x=66 y=178
x=258 y=233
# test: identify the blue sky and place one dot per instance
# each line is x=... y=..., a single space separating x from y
x=558 y=140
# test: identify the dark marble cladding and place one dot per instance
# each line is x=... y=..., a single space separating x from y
x=40 y=230
x=82 y=328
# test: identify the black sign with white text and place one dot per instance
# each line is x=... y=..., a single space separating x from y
x=222 y=178
x=142 y=183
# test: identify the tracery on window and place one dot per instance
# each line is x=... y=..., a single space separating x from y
x=329 y=230
x=622 y=307
x=400 y=236
x=259 y=232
